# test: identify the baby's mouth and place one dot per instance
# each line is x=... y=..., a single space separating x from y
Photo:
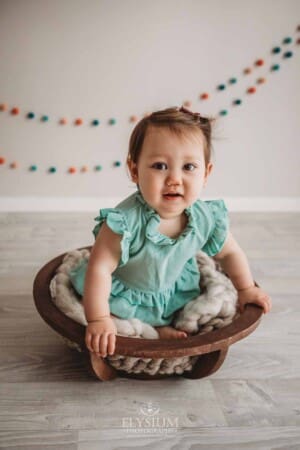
x=172 y=195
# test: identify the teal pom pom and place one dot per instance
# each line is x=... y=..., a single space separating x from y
x=52 y=169
x=117 y=164
x=232 y=80
x=221 y=87
x=287 y=40
x=95 y=122
x=33 y=168
x=275 y=67
x=45 y=118
x=98 y=168
x=112 y=121
x=224 y=112
x=276 y=50
x=31 y=115
x=237 y=101
x=288 y=54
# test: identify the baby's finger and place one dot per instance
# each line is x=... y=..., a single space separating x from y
x=95 y=343
x=263 y=302
x=103 y=345
x=88 y=342
x=111 y=344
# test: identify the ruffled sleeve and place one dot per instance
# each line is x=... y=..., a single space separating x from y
x=116 y=221
x=219 y=229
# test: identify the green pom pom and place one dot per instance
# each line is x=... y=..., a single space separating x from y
x=98 y=168
x=31 y=115
x=45 y=118
x=117 y=163
x=224 y=112
x=221 y=87
x=287 y=40
x=52 y=169
x=288 y=55
x=112 y=121
x=33 y=168
x=233 y=80
x=276 y=50
x=238 y=101
x=95 y=122
x=275 y=67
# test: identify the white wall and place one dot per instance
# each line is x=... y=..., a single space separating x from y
x=102 y=59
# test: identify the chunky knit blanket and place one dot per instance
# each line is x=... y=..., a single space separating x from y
x=214 y=308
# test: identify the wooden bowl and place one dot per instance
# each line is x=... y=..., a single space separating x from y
x=211 y=347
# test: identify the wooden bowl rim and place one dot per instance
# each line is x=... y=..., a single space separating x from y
x=199 y=344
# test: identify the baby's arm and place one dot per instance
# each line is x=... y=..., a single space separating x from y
x=105 y=255
x=234 y=262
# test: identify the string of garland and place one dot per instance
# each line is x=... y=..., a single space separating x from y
x=204 y=96
x=53 y=169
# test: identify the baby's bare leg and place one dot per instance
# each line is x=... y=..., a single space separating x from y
x=168 y=332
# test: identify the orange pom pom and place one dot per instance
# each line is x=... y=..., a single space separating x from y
x=3 y=107
x=13 y=165
x=78 y=121
x=251 y=90
x=15 y=111
x=63 y=121
x=2 y=160
x=261 y=80
x=204 y=96
x=72 y=170
x=188 y=104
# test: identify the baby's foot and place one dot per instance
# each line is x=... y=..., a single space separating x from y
x=168 y=332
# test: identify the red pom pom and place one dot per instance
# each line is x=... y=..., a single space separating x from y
x=259 y=62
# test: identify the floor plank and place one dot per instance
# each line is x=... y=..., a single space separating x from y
x=48 y=400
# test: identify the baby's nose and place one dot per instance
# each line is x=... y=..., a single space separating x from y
x=173 y=179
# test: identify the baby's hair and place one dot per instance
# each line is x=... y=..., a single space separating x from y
x=179 y=121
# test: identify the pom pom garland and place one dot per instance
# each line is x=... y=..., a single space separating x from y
x=256 y=65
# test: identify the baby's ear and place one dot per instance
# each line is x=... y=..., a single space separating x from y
x=133 y=170
x=208 y=169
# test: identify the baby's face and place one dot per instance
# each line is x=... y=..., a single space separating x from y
x=170 y=171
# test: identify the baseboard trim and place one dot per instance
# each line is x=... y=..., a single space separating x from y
x=81 y=204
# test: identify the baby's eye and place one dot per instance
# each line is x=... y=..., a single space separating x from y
x=159 y=166
x=189 y=167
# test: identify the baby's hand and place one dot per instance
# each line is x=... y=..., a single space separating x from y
x=254 y=294
x=100 y=336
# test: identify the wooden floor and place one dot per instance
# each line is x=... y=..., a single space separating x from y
x=48 y=400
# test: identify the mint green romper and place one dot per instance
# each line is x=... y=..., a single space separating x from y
x=157 y=275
